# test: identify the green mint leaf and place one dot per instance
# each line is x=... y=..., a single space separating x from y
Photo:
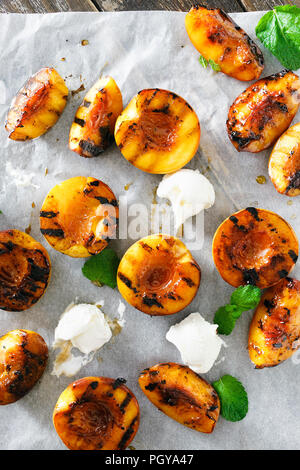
x=214 y=66
x=1 y=212
x=203 y=61
x=233 y=398
x=279 y=31
x=225 y=318
x=102 y=268
x=246 y=297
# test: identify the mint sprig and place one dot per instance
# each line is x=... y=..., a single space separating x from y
x=204 y=62
x=102 y=268
x=242 y=299
x=279 y=31
x=233 y=398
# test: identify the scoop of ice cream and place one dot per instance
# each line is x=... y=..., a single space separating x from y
x=197 y=342
x=189 y=193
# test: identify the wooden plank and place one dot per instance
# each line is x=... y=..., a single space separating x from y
x=253 y=5
x=178 y=5
x=45 y=6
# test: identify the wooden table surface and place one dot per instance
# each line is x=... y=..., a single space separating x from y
x=48 y=6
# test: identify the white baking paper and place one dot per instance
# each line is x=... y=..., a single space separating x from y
x=140 y=50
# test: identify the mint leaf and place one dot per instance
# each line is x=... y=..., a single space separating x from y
x=246 y=297
x=279 y=31
x=225 y=318
x=102 y=268
x=203 y=61
x=214 y=66
x=233 y=398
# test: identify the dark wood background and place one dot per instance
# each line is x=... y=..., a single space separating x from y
x=44 y=6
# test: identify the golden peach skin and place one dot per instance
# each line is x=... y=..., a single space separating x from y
x=25 y=270
x=274 y=333
x=263 y=111
x=158 y=132
x=79 y=216
x=93 y=127
x=220 y=39
x=182 y=395
x=284 y=163
x=96 y=413
x=158 y=275
x=23 y=358
x=37 y=105
x=254 y=246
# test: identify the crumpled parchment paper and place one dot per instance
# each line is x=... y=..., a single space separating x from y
x=140 y=50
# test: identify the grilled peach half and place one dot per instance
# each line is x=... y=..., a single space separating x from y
x=182 y=395
x=158 y=132
x=79 y=216
x=284 y=163
x=25 y=269
x=37 y=105
x=274 y=333
x=93 y=127
x=158 y=275
x=23 y=358
x=96 y=413
x=263 y=111
x=254 y=246
x=218 y=38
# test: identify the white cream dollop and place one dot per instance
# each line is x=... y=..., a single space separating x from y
x=81 y=326
x=189 y=193
x=197 y=341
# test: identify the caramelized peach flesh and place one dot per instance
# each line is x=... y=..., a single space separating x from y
x=24 y=270
x=182 y=395
x=254 y=246
x=158 y=275
x=274 y=333
x=79 y=216
x=284 y=163
x=23 y=358
x=158 y=132
x=218 y=38
x=96 y=413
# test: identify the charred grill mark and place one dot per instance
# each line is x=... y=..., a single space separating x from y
x=235 y=221
x=104 y=200
x=282 y=273
x=125 y=402
x=151 y=386
x=94 y=183
x=127 y=282
x=94 y=385
x=254 y=212
x=38 y=273
x=270 y=305
x=9 y=245
x=242 y=142
x=188 y=281
x=119 y=381
x=53 y=232
x=106 y=136
x=146 y=247
x=293 y=255
x=90 y=148
x=79 y=121
x=250 y=276
x=48 y=214
x=127 y=434
x=151 y=302
x=294 y=182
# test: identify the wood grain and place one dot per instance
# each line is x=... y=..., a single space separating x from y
x=178 y=5
x=50 y=6
x=253 y=5
x=45 y=6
